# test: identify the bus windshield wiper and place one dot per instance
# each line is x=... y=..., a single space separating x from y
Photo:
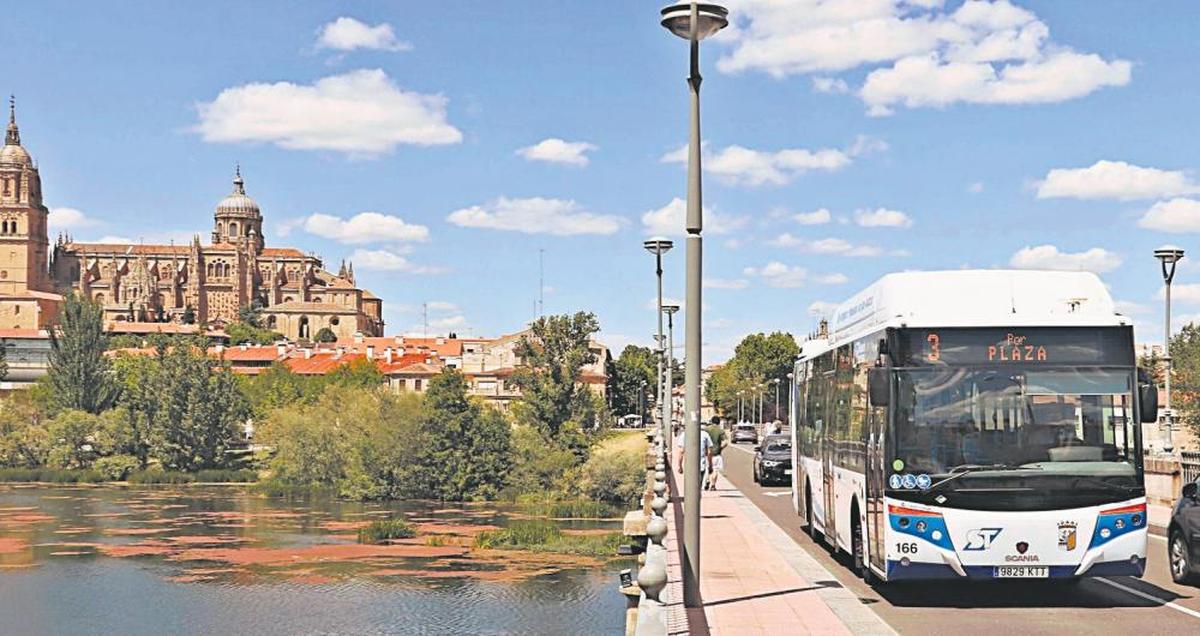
x=966 y=469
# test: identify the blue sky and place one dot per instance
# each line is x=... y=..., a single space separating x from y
x=844 y=140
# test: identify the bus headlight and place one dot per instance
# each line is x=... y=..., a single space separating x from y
x=924 y=524
x=1115 y=522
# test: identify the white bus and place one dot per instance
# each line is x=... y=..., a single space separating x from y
x=974 y=425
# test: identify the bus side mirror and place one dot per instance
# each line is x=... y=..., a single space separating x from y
x=1189 y=490
x=877 y=386
x=1148 y=398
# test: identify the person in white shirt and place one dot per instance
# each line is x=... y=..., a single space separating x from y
x=706 y=455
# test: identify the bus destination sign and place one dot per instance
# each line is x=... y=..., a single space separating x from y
x=1032 y=345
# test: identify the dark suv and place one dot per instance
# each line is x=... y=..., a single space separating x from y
x=773 y=460
x=1183 y=536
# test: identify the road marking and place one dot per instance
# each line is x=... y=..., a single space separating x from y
x=1151 y=597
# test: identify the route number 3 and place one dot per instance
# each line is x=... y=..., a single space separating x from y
x=906 y=548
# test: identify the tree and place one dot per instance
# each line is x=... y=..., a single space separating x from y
x=325 y=334
x=1152 y=362
x=71 y=435
x=757 y=360
x=465 y=448
x=631 y=381
x=197 y=410
x=246 y=333
x=24 y=441
x=251 y=314
x=189 y=315
x=79 y=375
x=3 y=360
x=360 y=372
x=552 y=355
x=1185 y=376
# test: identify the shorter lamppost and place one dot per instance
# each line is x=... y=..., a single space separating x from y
x=790 y=377
x=775 y=381
x=1168 y=256
x=669 y=309
x=741 y=395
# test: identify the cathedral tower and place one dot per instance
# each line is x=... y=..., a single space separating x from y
x=238 y=217
x=24 y=245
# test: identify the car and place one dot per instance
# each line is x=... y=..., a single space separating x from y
x=773 y=460
x=1183 y=536
x=744 y=433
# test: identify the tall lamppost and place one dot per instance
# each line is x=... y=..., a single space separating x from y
x=1168 y=256
x=693 y=22
x=776 y=383
x=740 y=395
x=790 y=377
x=641 y=407
x=659 y=246
x=669 y=310
x=762 y=396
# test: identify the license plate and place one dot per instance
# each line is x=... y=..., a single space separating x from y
x=1021 y=572
x=787 y=471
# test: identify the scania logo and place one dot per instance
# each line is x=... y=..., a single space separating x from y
x=1021 y=557
x=1022 y=547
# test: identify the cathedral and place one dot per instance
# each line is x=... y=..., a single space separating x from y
x=201 y=284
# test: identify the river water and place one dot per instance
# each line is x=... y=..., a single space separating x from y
x=221 y=560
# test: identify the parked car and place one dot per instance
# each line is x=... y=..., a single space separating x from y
x=773 y=460
x=1183 y=536
x=744 y=433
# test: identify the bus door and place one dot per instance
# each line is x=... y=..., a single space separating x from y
x=876 y=479
x=828 y=450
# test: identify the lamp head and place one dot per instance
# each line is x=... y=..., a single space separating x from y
x=658 y=245
x=670 y=309
x=1168 y=254
x=677 y=19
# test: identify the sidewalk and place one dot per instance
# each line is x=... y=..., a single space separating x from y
x=1159 y=517
x=754 y=578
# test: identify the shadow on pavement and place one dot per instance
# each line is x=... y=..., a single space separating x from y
x=1017 y=594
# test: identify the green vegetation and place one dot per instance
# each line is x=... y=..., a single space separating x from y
x=383 y=530
x=51 y=475
x=79 y=375
x=325 y=334
x=539 y=535
x=631 y=381
x=758 y=359
x=209 y=476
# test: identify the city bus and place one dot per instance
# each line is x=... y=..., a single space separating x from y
x=974 y=424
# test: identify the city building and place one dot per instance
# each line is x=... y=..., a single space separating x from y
x=28 y=299
x=145 y=285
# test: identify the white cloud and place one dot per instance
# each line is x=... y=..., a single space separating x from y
x=387 y=261
x=365 y=227
x=1177 y=216
x=1182 y=292
x=555 y=150
x=922 y=52
x=64 y=218
x=1098 y=260
x=866 y=145
x=816 y=217
x=1114 y=180
x=830 y=85
x=726 y=283
x=822 y=309
x=442 y=305
x=348 y=34
x=836 y=246
x=927 y=81
x=882 y=217
x=536 y=215
x=975 y=188
x=360 y=113
x=669 y=220
x=748 y=167
x=1130 y=308
x=776 y=274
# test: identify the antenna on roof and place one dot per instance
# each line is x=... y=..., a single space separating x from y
x=541 y=308
x=425 y=317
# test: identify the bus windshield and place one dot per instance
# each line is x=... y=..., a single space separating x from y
x=1065 y=421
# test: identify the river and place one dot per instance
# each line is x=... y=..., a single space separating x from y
x=223 y=560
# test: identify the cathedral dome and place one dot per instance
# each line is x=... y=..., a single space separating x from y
x=238 y=203
x=13 y=152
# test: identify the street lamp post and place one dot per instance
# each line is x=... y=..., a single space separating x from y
x=740 y=394
x=693 y=21
x=659 y=246
x=790 y=377
x=762 y=397
x=1168 y=256
x=776 y=381
x=670 y=310
x=641 y=397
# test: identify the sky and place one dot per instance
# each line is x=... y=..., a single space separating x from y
x=446 y=148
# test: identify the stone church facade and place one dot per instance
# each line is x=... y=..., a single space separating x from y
x=203 y=284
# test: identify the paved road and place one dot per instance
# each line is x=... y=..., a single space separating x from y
x=1112 y=605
